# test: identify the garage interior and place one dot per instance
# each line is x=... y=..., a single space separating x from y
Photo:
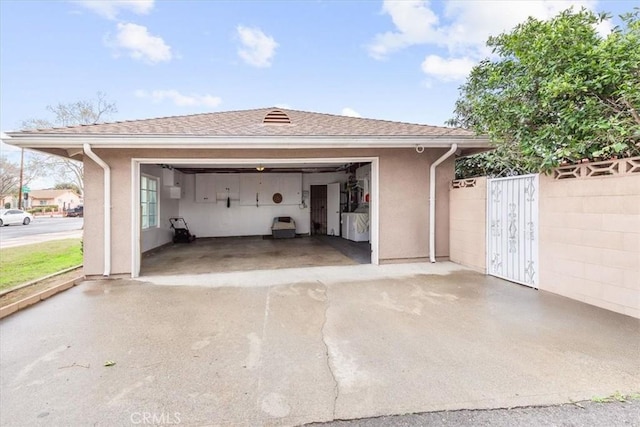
x=258 y=216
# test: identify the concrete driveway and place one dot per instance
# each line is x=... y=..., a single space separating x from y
x=333 y=342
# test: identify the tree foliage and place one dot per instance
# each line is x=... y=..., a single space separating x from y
x=34 y=164
x=83 y=112
x=67 y=171
x=554 y=92
x=9 y=176
x=68 y=186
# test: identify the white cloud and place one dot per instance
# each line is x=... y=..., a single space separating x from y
x=461 y=29
x=447 y=70
x=283 y=106
x=470 y=23
x=179 y=99
x=415 y=23
x=604 y=28
x=350 y=112
x=140 y=44
x=111 y=8
x=257 y=48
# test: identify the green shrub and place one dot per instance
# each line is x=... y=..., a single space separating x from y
x=45 y=208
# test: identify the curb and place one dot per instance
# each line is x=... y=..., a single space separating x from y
x=36 y=298
x=33 y=282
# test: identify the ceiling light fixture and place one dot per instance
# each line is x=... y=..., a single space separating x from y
x=260 y=168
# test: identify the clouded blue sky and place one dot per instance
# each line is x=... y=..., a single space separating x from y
x=396 y=60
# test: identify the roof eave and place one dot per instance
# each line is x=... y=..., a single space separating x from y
x=67 y=141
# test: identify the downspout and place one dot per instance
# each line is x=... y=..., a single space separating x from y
x=107 y=207
x=432 y=201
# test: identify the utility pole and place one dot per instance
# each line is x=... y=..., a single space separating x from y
x=21 y=173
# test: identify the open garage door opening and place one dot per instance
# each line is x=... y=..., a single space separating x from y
x=254 y=214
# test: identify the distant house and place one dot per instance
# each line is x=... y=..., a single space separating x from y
x=63 y=199
x=8 y=202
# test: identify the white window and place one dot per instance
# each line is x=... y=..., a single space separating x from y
x=149 y=201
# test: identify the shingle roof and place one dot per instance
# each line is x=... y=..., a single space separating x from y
x=250 y=123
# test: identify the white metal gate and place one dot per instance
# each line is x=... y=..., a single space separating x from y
x=512 y=229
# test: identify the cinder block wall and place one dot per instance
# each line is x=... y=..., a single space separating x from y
x=590 y=240
x=467 y=222
x=589 y=232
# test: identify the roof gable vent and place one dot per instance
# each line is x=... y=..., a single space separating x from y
x=276 y=117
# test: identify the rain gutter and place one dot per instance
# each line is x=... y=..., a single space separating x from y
x=432 y=201
x=107 y=207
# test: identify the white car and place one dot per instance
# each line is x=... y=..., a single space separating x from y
x=14 y=216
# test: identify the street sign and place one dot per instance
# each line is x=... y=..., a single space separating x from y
x=26 y=189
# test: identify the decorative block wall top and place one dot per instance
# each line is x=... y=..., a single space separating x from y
x=463 y=183
x=605 y=168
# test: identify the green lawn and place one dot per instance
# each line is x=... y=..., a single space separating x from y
x=25 y=263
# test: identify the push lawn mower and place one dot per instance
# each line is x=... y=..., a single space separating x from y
x=181 y=232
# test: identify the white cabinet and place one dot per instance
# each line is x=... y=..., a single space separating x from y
x=227 y=185
x=168 y=177
x=250 y=189
x=250 y=185
x=173 y=192
x=259 y=188
x=205 y=188
x=171 y=183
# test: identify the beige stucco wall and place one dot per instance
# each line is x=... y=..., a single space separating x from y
x=93 y=235
x=590 y=240
x=403 y=204
x=467 y=220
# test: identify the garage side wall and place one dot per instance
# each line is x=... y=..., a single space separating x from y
x=161 y=234
x=404 y=205
x=467 y=221
x=403 y=191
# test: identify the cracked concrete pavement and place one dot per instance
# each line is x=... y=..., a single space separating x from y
x=342 y=343
x=336 y=386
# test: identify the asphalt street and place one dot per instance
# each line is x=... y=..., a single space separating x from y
x=40 y=230
x=586 y=413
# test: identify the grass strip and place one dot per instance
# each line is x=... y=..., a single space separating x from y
x=24 y=263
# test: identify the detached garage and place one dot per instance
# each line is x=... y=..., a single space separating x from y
x=233 y=175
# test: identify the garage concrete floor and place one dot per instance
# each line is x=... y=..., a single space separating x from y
x=333 y=342
x=224 y=254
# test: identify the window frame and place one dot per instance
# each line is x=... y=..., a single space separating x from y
x=144 y=202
